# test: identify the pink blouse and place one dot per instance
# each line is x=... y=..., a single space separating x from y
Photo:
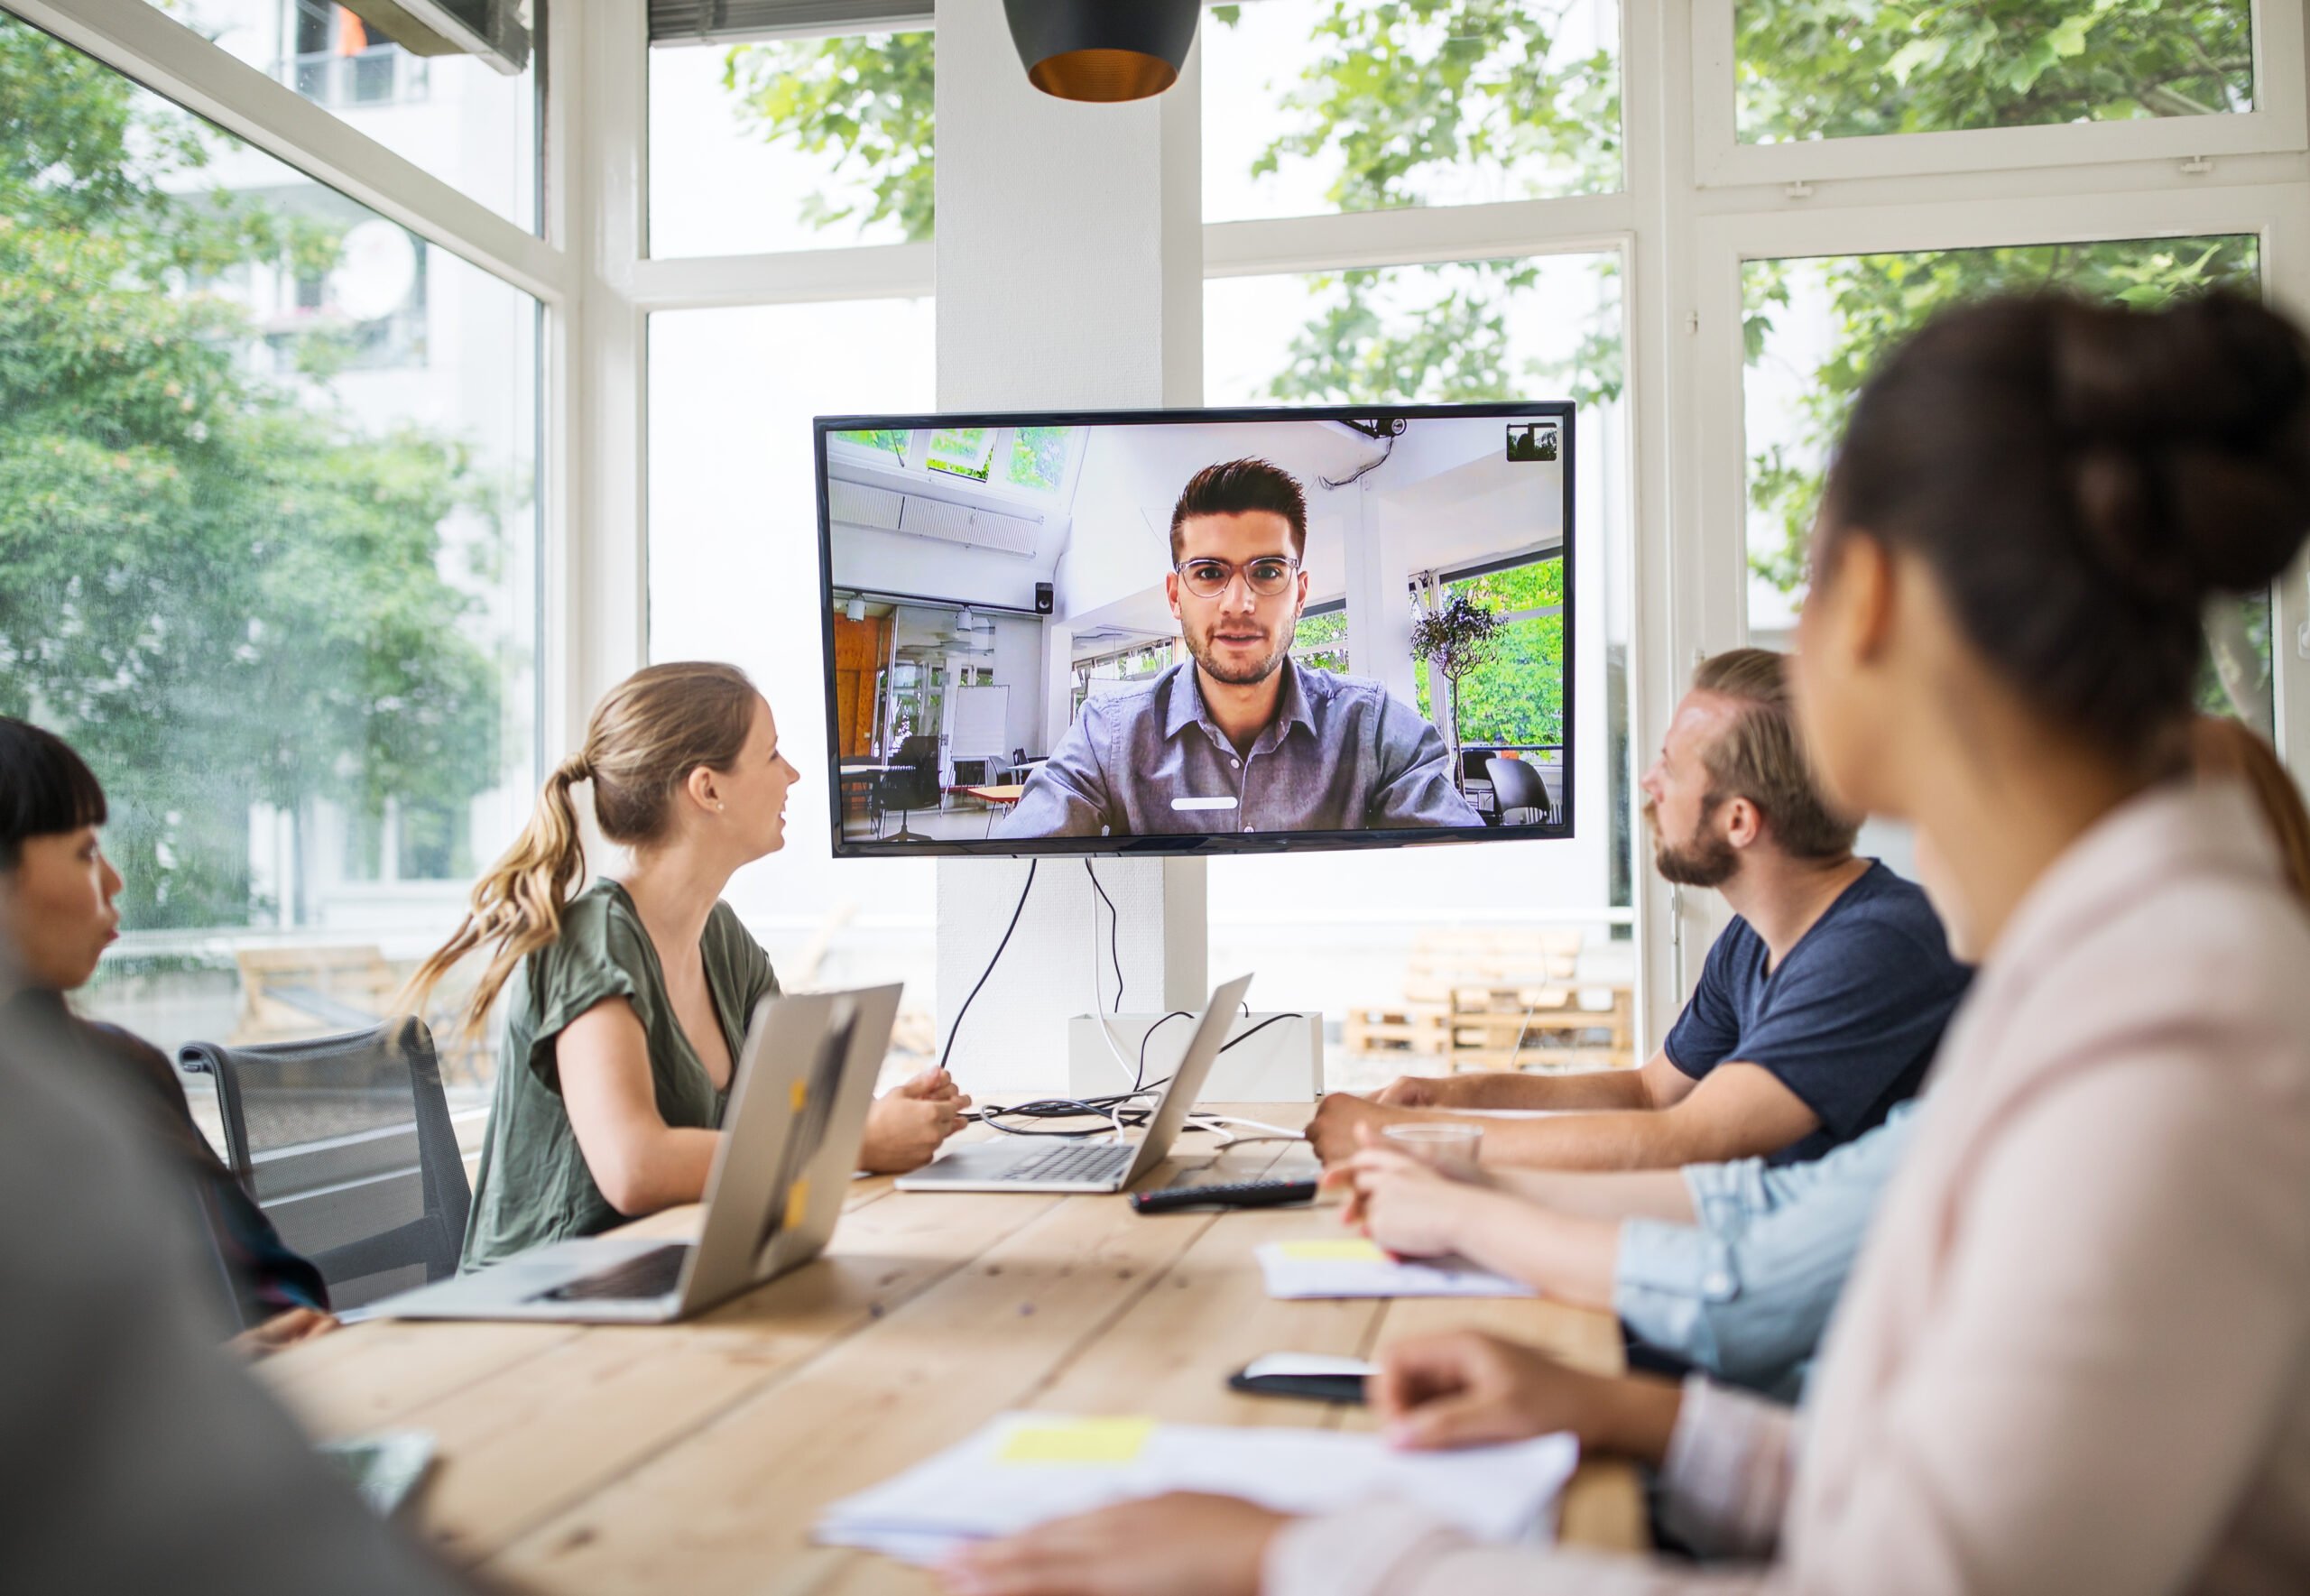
x=2075 y=1355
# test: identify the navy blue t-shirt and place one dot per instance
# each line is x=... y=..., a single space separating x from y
x=1849 y=1021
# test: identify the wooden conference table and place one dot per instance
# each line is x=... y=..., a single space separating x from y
x=694 y=1457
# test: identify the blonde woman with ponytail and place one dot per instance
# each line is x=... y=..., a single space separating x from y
x=625 y=1004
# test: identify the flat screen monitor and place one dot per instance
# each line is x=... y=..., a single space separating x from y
x=1197 y=630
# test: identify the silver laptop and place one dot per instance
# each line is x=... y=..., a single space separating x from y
x=782 y=1169
x=1049 y=1164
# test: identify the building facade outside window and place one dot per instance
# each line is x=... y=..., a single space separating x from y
x=268 y=559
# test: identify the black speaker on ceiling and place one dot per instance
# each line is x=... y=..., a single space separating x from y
x=1042 y=598
x=1102 y=51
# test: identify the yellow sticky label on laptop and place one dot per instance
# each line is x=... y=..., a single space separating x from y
x=801 y=1095
x=1341 y=1250
x=1080 y=1442
x=798 y=1205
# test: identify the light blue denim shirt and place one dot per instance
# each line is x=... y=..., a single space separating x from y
x=1746 y=1293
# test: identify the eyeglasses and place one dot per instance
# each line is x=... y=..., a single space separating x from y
x=1266 y=577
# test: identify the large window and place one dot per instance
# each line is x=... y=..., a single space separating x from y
x=450 y=111
x=1864 y=67
x=828 y=139
x=1513 y=698
x=1815 y=329
x=733 y=527
x=1318 y=106
x=268 y=550
x=1526 y=328
x=1320 y=639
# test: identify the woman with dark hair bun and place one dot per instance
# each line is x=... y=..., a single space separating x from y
x=56 y=920
x=2075 y=1353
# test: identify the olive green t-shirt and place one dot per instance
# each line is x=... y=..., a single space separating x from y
x=533 y=1186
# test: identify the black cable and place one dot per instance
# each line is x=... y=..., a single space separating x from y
x=1247 y=1035
x=997 y=959
x=1109 y=1109
x=1139 y=1076
x=1115 y=931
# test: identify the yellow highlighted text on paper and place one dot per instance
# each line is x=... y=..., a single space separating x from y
x=1339 y=1249
x=1078 y=1442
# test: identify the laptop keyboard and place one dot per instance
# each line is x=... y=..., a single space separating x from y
x=654 y=1273
x=1075 y=1161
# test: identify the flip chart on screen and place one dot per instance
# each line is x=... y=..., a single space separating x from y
x=1024 y=1468
x=982 y=715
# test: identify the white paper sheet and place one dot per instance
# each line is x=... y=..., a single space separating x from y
x=1305 y=1363
x=1024 y=1468
x=1349 y=1265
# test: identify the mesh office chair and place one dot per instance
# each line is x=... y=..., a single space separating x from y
x=1522 y=796
x=913 y=787
x=346 y=1142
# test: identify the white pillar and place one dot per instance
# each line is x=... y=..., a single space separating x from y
x=1070 y=274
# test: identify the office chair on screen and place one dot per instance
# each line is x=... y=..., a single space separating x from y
x=914 y=786
x=347 y=1144
x=1522 y=795
x=1475 y=783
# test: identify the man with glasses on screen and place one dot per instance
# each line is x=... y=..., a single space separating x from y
x=1241 y=738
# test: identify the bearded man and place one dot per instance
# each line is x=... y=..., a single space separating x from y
x=1241 y=737
x=1817 y=1011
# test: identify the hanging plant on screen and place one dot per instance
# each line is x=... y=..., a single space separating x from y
x=1454 y=640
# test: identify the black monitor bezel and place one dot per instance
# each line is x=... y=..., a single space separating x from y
x=1560 y=411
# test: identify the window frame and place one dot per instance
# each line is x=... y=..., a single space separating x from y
x=1694 y=204
x=1425 y=586
x=1728 y=244
x=154 y=49
x=2276 y=123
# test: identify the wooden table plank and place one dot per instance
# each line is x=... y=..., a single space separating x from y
x=696 y=1456
x=731 y=1508
x=374 y=1374
x=1207 y=1317
x=1604 y=1505
x=549 y=1432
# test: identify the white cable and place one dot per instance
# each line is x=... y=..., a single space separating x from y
x=1129 y=1070
x=1099 y=998
x=1272 y=1131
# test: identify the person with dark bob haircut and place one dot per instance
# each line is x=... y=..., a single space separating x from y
x=56 y=907
x=2073 y=1353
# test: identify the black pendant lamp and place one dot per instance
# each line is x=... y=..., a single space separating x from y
x=1103 y=50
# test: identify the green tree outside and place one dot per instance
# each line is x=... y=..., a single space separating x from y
x=218 y=589
x=1839 y=68
x=1321 y=641
x=1515 y=698
x=1877 y=299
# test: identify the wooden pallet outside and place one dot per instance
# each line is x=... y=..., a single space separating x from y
x=1470 y=994
x=1585 y=1027
x=1424 y=1029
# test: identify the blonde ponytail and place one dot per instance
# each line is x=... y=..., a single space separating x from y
x=518 y=904
x=647 y=736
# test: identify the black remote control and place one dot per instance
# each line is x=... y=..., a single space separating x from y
x=1241 y=1193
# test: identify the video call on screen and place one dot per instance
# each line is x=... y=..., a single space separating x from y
x=1205 y=627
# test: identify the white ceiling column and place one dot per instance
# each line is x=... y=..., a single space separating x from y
x=1070 y=274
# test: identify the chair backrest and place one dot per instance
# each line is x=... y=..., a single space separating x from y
x=918 y=751
x=912 y=788
x=1475 y=764
x=347 y=1144
x=1515 y=786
